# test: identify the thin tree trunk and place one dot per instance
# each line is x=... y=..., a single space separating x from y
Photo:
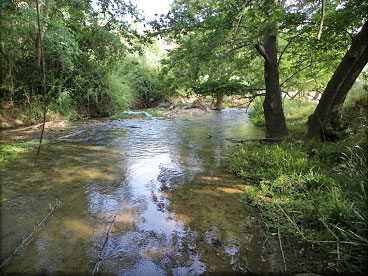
x=43 y=73
x=10 y=66
x=323 y=12
x=47 y=8
x=318 y=122
x=37 y=45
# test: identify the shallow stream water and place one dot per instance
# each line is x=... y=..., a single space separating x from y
x=138 y=197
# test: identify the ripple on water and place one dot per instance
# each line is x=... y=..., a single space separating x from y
x=178 y=212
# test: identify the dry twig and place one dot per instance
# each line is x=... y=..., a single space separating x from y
x=98 y=263
x=52 y=209
x=70 y=134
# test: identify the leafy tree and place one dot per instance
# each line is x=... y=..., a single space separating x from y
x=141 y=75
x=82 y=43
x=326 y=118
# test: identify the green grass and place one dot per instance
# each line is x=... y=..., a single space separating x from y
x=296 y=114
x=313 y=191
x=183 y=104
x=8 y=151
x=158 y=112
x=306 y=192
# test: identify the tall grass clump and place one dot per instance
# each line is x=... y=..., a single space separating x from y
x=306 y=192
x=256 y=114
x=314 y=191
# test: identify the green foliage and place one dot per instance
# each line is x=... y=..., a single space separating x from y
x=215 y=39
x=220 y=87
x=256 y=115
x=321 y=187
x=142 y=77
x=121 y=94
x=81 y=43
x=8 y=151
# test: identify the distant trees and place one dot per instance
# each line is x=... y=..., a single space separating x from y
x=300 y=43
x=86 y=44
x=97 y=62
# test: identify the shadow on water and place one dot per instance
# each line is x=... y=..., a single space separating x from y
x=178 y=211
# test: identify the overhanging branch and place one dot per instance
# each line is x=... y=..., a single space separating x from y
x=261 y=52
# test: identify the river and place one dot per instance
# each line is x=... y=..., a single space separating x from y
x=138 y=197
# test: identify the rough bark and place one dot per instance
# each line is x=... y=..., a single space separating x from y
x=217 y=103
x=334 y=113
x=272 y=105
x=318 y=122
x=47 y=8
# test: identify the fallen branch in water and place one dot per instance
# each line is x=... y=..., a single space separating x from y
x=25 y=128
x=103 y=248
x=255 y=140
x=249 y=140
x=52 y=209
x=70 y=134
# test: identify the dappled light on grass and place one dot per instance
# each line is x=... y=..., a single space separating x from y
x=230 y=190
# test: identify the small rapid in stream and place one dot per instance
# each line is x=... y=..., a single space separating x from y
x=161 y=184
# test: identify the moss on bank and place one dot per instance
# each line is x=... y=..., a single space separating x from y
x=8 y=151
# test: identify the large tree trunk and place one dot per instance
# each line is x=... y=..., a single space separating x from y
x=334 y=113
x=217 y=102
x=339 y=85
x=272 y=105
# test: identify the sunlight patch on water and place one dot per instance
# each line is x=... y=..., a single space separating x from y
x=178 y=211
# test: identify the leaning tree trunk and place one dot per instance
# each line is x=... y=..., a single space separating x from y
x=334 y=113
x=339 y=85
x=272 y=105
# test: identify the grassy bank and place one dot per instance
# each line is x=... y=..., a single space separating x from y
x=312 y=192
x=8 y=151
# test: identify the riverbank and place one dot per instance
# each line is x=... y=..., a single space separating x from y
x=311 y=196
x=31 y=114
x=23 y=135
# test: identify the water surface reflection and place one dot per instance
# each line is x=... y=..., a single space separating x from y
x=178 y=211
